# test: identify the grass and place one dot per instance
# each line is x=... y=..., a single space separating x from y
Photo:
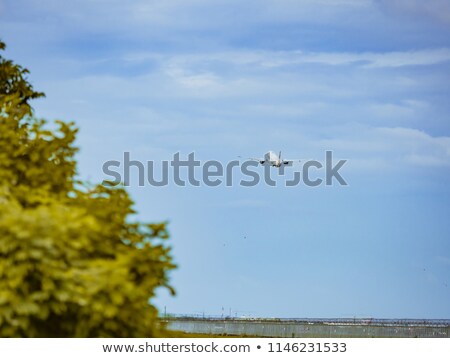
x=180 y=334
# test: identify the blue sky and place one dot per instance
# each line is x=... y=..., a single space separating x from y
x=367 y=79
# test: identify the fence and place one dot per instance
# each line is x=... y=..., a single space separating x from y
x=311 y=328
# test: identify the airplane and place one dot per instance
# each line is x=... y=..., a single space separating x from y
x=272 y=159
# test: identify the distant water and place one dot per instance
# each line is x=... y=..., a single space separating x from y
x=374 y=321
x=336 y=321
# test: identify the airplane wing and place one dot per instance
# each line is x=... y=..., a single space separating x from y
x=290 y=161
x=260 y=160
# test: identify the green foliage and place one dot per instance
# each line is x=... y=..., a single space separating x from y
x=71 y=262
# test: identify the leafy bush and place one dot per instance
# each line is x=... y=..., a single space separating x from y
x=72 y=264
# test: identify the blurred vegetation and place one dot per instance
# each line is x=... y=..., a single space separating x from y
x=71 y=262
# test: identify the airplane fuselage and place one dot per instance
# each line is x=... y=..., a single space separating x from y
x=272 y=159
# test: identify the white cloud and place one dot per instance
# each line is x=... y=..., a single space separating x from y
x=279 y=59
x=406 y=109
x=417 y=147
x=232 y=97
x=270 y=74
x=366 y=59
x=369 y=148
x=409 y=58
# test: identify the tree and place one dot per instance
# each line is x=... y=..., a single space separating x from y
x=72 y=263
